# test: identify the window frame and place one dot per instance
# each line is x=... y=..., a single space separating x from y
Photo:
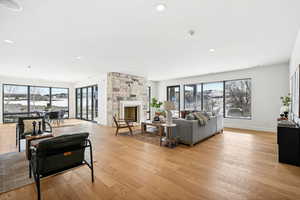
x=224 y=95
x=224 y=115
x=149 y=103
x=179 y=103
x=68 y=111
x=194 y=95
x=86 y=118
x=29 y=100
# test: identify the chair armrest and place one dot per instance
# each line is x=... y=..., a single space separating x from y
x=18 y=128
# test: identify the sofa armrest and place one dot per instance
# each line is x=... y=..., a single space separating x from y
x=185 y=130
x=220 y=122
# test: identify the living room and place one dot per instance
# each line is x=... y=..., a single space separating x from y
x=149 y=100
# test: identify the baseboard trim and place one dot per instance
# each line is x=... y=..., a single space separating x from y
x=246 y=130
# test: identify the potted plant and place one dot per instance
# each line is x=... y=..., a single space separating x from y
x=286 y=102
x=155 y=104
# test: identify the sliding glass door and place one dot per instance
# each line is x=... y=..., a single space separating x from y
x=87 y=103
x=173 y=94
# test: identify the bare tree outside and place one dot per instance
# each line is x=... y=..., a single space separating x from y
x=213 y=97
x=189 y=97
x=238 y=98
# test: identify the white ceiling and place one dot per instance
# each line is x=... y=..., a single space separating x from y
x=132 y=37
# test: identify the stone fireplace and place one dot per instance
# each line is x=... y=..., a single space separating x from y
x=132 y=110
x=126 y=97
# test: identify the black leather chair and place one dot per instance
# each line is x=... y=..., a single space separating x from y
x=62 y=116
x=20 y=134
x=54 y=116
x=58 y=154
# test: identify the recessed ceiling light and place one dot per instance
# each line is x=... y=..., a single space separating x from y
x=161 y=7
x=8 y=41
x=192 y=32
x=212 y=50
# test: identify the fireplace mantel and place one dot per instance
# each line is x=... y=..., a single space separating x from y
x=138 y=104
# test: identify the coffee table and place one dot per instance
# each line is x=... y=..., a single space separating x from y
x=30 y=138
x=155 y=124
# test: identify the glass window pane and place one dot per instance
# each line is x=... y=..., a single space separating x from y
x=213 y=97
x=39 y=98
x=84 y=101
x=15 y=99
x=173 y=94
x=190 y=97
x=60 y=99
x=78 y=93
x=149 y=102
x=90 y=117
x=95 y=99
x=198 y=97
x=238 y=98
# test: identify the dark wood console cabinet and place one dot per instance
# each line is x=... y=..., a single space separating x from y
x=288 y=140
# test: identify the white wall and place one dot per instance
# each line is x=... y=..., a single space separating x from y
x=101 y=81
x=295 y=57
x=38 y=82
x=269 y=83
x=294 y=64
x=154 y=88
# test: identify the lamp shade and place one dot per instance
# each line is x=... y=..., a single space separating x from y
x=169 y=105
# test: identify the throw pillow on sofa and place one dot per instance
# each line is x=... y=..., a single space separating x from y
x=190 y=117
x=206 y=114
x=201 y=118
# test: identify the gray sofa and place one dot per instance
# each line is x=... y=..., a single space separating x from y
x=190 y=132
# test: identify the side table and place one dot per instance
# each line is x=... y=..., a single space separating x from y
x=169 y=139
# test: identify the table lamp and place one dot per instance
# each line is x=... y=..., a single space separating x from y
x=169 y=106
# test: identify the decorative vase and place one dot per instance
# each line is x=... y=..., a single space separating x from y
x=169 y=118
x=285 y=110
x=286 y=114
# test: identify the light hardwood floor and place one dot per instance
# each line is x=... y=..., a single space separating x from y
x=237 y=164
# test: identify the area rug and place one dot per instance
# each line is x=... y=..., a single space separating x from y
x=151 y=138
x=14 y=171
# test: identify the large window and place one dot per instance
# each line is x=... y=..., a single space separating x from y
x=149 y=102
x=193 y=97
x=39 y=98
x=238 y=99
x=23 y=100
x=229 y=98
x=60 y=99
x=15 y=102
x=190 y=97
x=213 y=97
x=173 y=94
x=87 y=103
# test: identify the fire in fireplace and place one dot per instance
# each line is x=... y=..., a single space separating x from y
x=130 y=113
